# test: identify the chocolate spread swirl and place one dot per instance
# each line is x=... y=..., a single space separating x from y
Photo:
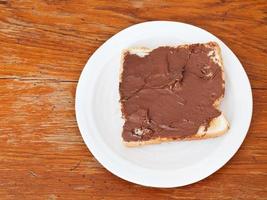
x=170 y=92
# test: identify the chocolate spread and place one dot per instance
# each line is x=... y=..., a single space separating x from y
x=170 y=92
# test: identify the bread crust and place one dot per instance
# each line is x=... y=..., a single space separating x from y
x=160 y=140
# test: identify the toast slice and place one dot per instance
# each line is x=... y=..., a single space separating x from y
x=213 y=127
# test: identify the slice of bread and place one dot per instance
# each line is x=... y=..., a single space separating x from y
x=217 y=126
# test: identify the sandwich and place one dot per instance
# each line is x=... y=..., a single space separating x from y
x=172 y=93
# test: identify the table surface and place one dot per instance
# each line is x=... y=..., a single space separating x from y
x=44 y=45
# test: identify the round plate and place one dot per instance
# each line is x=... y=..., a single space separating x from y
x=164 y=165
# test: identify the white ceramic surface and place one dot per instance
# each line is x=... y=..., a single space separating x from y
x=169 y=164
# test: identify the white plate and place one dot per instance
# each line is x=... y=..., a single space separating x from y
x=170 y=164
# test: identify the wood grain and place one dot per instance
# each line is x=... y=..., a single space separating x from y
x=44 y=45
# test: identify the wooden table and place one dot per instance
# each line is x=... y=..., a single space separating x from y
x=44 y=45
